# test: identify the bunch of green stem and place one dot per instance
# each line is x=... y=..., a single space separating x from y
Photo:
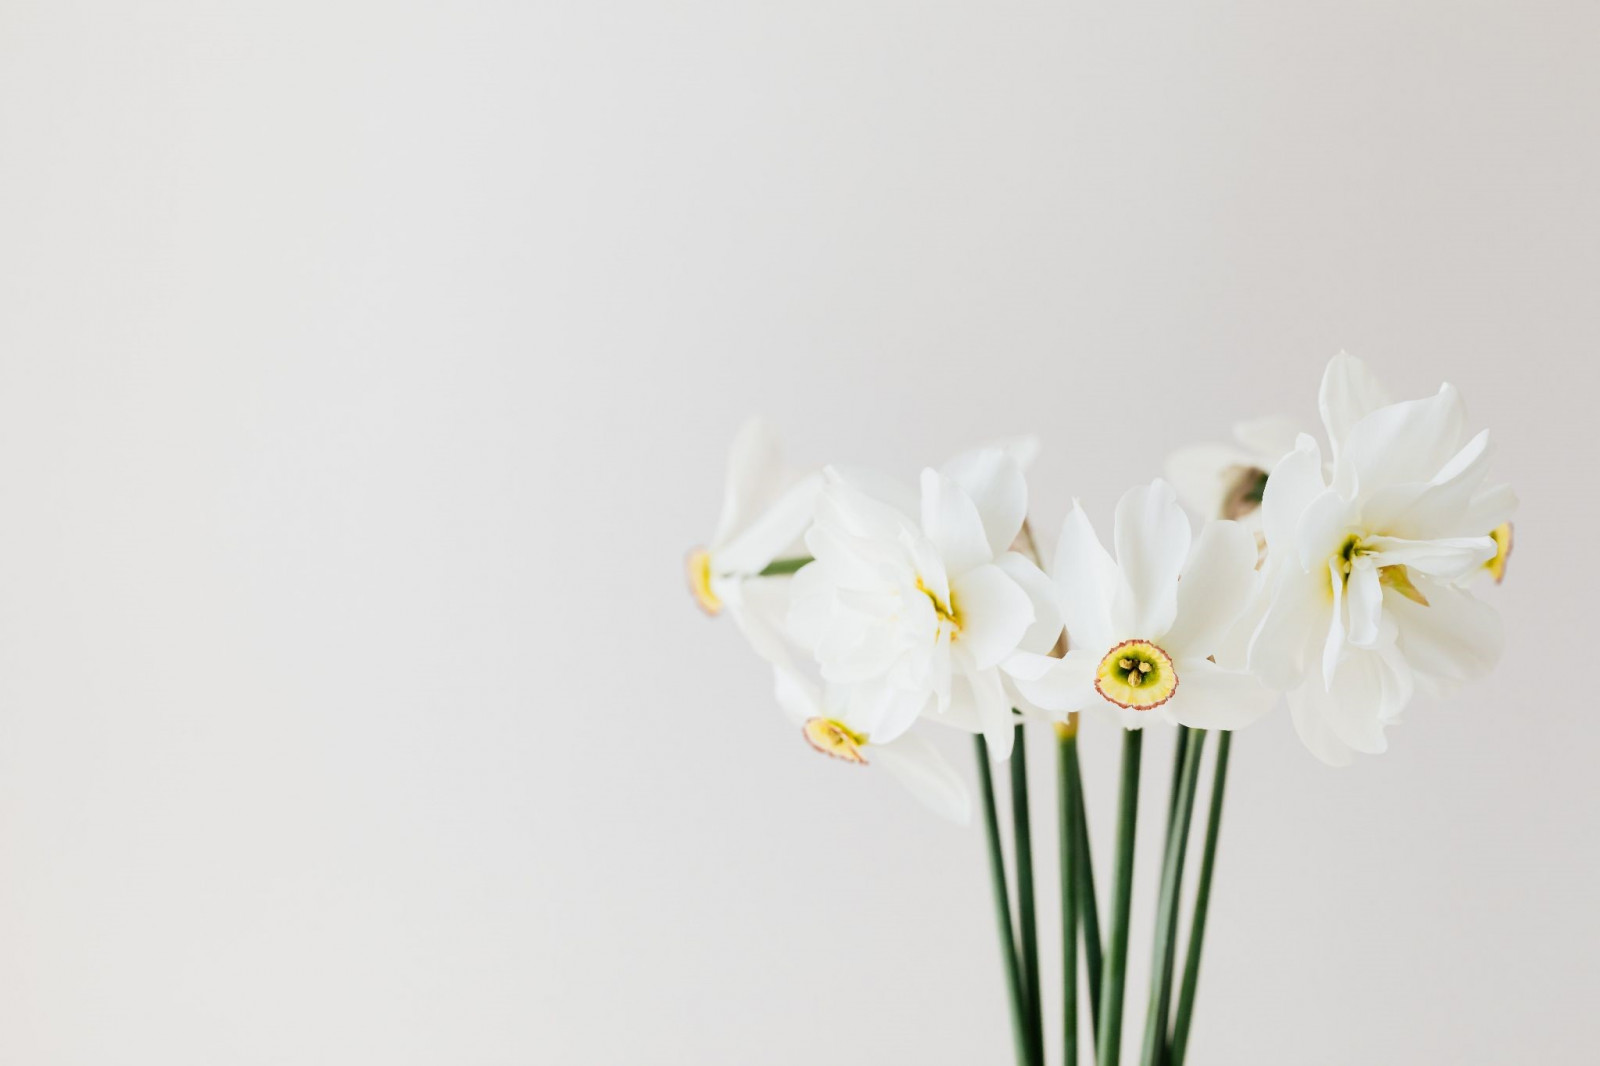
x=1094 y=974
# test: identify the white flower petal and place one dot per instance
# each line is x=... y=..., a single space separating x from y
x=1451 y=557
x=994 y=712
x=761 y=612
x=1152 y=538
x=1209 y=697
x=993 y=480
x=1292 y=486
x=1349 y=393
x=1401 y=443
x=1490 y=508
x=1086 y=581
x=1046 y=628
x=1306 y=703
x=1333 y=647
x=770 y=533
x=1065 y=684
x=1365 y=602
x=1294 y=625
x=1457 y=637
x=1217 y=585
x=1438 y=508
x=755 y=472
x=994 y=612
x=1326 y=522
x=1360 y=701
x=950 y=520
x=916 y=763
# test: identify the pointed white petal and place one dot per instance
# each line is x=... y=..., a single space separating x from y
x=1086 y=580
x=1209 y=697
x=993 y=480
x=1360 y=701
x=773 y=531
x=755 y=473
x=1217 y=585
x=1349 y=393
x=917 y=764
x=1152 y=537
x=950 y=520
x=1438 y=508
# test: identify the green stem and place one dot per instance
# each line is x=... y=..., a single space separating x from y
x=1172 y=943
x=1116 y=961
x=1002 y=906
x=1069 y=796
x=784 y=566
x=1191 y=748
x=1028 y=919
x=1093 y=958
x=1202 y=902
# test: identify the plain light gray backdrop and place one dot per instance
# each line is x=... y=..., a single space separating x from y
x=365 y=370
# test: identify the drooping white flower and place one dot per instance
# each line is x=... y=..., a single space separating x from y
x=1366 y=558
x=766 y=508
x=1143 y=629
x=912 y=612
x=824 y=716
x=1226 y=480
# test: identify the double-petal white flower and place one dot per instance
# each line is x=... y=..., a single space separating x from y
x=1146 y=631
x=1366 y=562
x=911 y=612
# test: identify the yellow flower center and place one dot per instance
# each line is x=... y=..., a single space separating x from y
x=948 y=615
x=1136 y=675
x=698 y=568
x=835 y=739
x=1502 y=552
x=1394 y=576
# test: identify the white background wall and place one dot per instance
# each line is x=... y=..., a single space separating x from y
x=365 y=370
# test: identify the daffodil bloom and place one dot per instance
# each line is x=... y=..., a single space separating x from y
x=1227 y=480
x=766 y=508
x=1145 y=630
x=911 y=612
x=1365 y=562
x=823 y=715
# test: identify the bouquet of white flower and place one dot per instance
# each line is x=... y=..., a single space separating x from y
x=1342 y=581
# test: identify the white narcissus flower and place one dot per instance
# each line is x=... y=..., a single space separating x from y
x=1226 y=480
x=1365 y=563
x=912 y=613
x=824 y=717
x=1143 y=628
x=766 y=508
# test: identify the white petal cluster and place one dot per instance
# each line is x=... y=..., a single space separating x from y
x=1346 y=583
x=1369 y=555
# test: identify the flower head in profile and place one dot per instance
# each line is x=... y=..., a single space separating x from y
x=912 y=603
x=1367 y=557
x=1147 y=630
x=1227 y=480
x=766 y=508
x=824 y=716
